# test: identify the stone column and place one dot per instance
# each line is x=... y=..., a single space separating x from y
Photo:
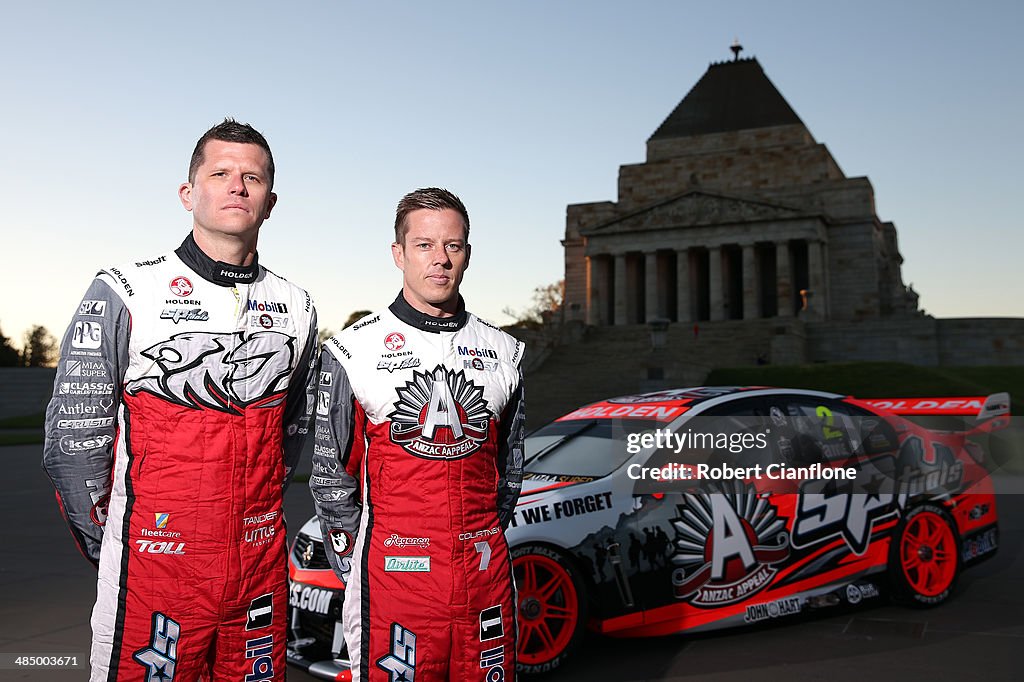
x=715 y=283
x=816 y=279
x=750 y=302
x=650 y=285
x=620 y=290
x=597 y=305
x=683 y=285
x=784 y=279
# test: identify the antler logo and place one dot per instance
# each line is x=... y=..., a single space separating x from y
x=219 y=371
x=722 y=545
x=440 y=415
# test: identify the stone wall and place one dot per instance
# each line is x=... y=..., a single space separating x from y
x=920 y=341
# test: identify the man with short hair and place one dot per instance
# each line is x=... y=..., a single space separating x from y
x=418 y=463
x=179 y=411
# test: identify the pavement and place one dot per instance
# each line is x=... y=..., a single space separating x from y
x=47 y=590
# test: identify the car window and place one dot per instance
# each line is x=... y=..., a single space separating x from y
x=594 y=447
x=812 y=430
x=731 y=433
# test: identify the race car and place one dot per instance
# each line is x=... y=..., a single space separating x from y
x=704 y=508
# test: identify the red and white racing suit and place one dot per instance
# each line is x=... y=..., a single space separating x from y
x=179 y=410
x=417 y=466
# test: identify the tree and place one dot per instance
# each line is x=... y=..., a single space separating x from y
x=547 y=301
x=355 y=317
x=40 y=348
x=9 y=355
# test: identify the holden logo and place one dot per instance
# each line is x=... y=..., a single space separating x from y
x=394 y=341
x=341 y=542
x=726 y=542
x=180 y=286
x=307 y=554
x=440 y=415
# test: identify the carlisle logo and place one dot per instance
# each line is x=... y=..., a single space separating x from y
x=440 y=415
x=181 y=286
x=725 y=545
x=161 y=519
x=394 y=341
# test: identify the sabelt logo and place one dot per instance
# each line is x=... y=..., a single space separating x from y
x=76 y=445
x=146 y=263
x=85 y=423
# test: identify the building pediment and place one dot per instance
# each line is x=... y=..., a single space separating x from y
x=696 y=209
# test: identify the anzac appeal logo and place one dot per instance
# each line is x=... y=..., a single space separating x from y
x=440 y=415
x=725 y=545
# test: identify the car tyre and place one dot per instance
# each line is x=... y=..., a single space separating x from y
x=924 y=557
x=551 y=605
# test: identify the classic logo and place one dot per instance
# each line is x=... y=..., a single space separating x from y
x=87 y=335
x=85 y=388
x=394 y=341
x=725 y=545
x=180 y=286
x=440 y=415
x=94 y=308
x=219 y=371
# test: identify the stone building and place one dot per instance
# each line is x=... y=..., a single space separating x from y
x=737 y=213
x=741 y=224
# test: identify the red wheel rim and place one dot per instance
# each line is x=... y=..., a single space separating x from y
x=928 y=554
x=548 y=608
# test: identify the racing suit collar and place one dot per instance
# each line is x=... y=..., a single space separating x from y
x=223 y=274
x=428 y=323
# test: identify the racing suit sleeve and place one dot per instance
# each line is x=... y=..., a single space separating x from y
x=510 y=454
x=338 y=451
x=81 y=419
x=299 y=401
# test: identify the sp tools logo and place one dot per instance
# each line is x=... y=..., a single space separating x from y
x=440 y=415
x=725 y=545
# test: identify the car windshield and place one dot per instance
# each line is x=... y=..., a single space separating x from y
x=584 y=447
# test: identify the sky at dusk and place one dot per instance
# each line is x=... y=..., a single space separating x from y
x=520 y=108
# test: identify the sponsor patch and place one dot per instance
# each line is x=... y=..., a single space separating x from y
x=407 y=564
x=397 y=540
x=394 y=341
x=88 y=335
x=177 y=315
x=76 y=445
x=400 y=664
x=93 y=308
x=490 y=623
x=160 y=657
x=84 y=368
x=180 y=286
x=261 y=612
x=96 y=423
x=341 y=541
x=775 y=609
x=398 y=363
